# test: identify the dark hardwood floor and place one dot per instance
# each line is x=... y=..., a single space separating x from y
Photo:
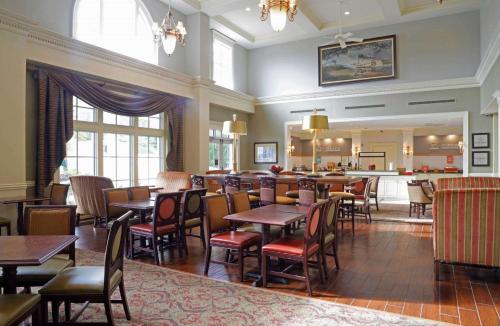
x=386 y=266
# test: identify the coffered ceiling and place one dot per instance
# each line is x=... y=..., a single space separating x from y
x=240 y=19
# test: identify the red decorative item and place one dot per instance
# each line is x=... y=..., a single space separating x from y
x=371 y=167
x=276 y=169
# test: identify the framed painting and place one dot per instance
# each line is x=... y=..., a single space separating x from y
x=481 y=140
x=372 y=59
x=480 y=158
x=265 y=153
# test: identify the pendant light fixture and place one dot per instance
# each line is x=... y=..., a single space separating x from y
x=169 y=33
x=279 y=11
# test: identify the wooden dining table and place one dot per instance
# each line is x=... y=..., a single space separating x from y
x=141 y=207
x=30 y=250
x=20 y=201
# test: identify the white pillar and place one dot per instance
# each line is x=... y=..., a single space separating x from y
x=408 y=142
x=356 y=145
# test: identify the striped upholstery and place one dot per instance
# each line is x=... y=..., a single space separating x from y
x=467 y=226
x=468 y=182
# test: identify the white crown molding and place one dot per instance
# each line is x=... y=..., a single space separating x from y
x=396 y=88
x=490 y=57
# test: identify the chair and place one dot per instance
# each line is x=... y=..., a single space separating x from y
x=16 y=308
x=362 y=202
x=233 y=184
x=346 y=207
x=173 y=181
x=94 y=284
x=47 y=220
x=293 y=190
x=268 y=194
x=114 y=195
x=298 y=249
x=198 y=182
x=329 y=233
x=88 y=196
x=5 y=223
x=192 y=214
x=418 y=198
x=213 y=185
x=58 y=194
x=165 y=223
x=374 y=189
x=139 y=193
x=308 y=191
x=218 y=234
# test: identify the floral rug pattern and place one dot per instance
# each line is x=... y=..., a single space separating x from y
x=162 y=296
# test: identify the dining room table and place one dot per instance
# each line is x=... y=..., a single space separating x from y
x=20 y=201
x=29 y=250
x=140 y=207
x=267 y=216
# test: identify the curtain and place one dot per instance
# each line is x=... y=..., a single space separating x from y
x=55 y=128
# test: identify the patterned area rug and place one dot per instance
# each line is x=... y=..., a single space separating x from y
x=398 y=212
x=162 y=296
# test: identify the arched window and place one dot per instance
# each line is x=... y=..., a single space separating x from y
x=122 y=26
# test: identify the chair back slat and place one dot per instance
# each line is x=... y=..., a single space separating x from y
x=197 y=181
x=314 y=223
x=331 y=213
x=139 y=193
x=58 y=194
x=166 y=210
x=216 y=208
x=113 y=258
x=115 y=195
x=193 y=204
x=232 y=184
x=308 y=191
x=267 y=190
x=359 y=187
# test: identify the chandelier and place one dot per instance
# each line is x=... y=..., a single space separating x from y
x=169 y=33
x=279 y=10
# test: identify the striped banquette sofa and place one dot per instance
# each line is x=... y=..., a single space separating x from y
x=468 y=182
x=466 y=226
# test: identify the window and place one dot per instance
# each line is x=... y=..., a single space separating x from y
x=222 y=64
x=122 y=26
x=220 y=150
x=128 y=150
x=149 y=159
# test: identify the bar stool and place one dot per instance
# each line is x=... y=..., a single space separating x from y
x=5 y=223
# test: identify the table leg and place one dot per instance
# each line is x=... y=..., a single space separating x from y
x=9 y=277
x=20 y=207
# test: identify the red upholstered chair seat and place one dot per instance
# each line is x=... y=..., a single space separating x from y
x=147 y=228
x=289 y=246
x=235 y=239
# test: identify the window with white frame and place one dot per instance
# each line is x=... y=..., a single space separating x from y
x=118 y=147
x=122 y=26
x=220 y=149
x=222 y=61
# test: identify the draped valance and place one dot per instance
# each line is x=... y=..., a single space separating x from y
x=57 y=86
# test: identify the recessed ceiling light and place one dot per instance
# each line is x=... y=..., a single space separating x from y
x=347 y=13
x=248 y=9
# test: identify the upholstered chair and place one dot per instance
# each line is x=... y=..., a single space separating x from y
x=94 y=284
x=192 y=215
x=47 y=220
x=308 y=191
x=362 y=202
x=213 y=185
x=347 y=207
x=111 y=196
x=418 y=198
x=16 y=308
x=374 y=189
x=218 y=233
x=233 y=184
x=329 y=232
x=173 y=181
x=58 y=194
x=299 y=249
x=165 y=223
x=139 y=193
x=293 y=189
x=88 y=196
x=268 y=194
x=198 y=182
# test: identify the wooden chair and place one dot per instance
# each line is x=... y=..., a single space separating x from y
x=346 y=207
x=268 y=193
x=218 y=233
x=87 y=190
x=233 y=184
x=192 y=215
x=16 y=308
x=58 y=194
x=47 y=220
x=114 y=195
x=298 y=249
x=5 y=223
x=213 y=185
x=293 y=189
x=418 y=198
x=139 y=193
x=329 y=233
x=374 y=189
x=198 y=182
x=308 y=191
x=165 y=223
x=94 y=284
x=362 y=203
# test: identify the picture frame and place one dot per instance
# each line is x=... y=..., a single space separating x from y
x=372 y=59
x=481 y=140
x=481 y=158
x=265 y=152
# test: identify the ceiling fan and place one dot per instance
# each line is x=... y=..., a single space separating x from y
x=344 y=38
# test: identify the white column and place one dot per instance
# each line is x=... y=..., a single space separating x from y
x=356 y=144
x=408 y=141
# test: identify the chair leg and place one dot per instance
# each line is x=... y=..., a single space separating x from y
x=67 y=310
x=155 y=250
x=334 y=251
x=109 y=312
x=162 y=249
x=208 y=254
x=36 y=317
x=131 y=245
x=436 y=270
x=307 y=276
x=376 y=202
x=240 y=264
x=124 y=299
x=179 y=242
x=323 y=258
x=55 y=311
x=319 y=264
x=202 y=236
x=8 y=229
x=263 y=270
x=409 y=214
x=45 y=312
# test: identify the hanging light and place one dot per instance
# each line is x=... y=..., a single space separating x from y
x=279 y=11
x=169 y=33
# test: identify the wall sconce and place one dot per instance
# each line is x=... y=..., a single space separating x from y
x=461 y=147
x=355 y=151
x=290 y=149
x=408 y=151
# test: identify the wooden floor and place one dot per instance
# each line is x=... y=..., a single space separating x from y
x=386 y=266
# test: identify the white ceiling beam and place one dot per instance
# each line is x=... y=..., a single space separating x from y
x=187 y=7
x=220 y=7
x=390 y=9
x=307 y=20
x=231 y=30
